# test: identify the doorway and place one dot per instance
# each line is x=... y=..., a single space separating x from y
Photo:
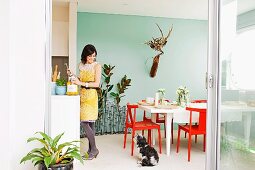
x=189 y=36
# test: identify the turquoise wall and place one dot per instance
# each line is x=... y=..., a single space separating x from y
x=119 y=40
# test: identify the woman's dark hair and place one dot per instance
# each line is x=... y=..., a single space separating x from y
x=87 y=50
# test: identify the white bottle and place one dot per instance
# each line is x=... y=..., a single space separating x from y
x=72 y=89
x=156 y=99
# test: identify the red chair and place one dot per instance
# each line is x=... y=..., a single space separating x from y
x=138 y=125
x=196 y=101
x=160 y=119
x=199 y=129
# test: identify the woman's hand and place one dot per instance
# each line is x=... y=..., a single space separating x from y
x=76 y=81
x=68 y=72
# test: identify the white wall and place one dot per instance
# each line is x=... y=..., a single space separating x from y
x=23 y=94
x=4 y=85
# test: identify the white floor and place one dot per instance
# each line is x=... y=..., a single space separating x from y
x=112 y=156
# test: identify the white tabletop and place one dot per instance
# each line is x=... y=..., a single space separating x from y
x=180 y=114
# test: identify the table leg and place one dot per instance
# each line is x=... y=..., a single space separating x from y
x=153 y=119
x=168 y=132
x=247 y=127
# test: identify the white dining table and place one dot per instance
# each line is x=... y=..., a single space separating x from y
x=180 y=115
x=230 y=113
x=236 y=111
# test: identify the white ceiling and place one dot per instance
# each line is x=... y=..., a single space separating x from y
x=186 y=9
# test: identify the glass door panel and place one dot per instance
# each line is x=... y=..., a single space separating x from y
x=237 y=97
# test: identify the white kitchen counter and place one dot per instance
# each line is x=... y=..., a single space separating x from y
x=65 y=117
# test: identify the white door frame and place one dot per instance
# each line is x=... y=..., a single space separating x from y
x=212 y=131
x=48 y=23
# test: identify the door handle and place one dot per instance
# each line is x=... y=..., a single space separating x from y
x=209 y=81
x=206 y=78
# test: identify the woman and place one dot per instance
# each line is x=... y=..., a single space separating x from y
x=90 y=75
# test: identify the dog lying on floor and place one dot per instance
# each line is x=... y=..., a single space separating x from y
x=148 y=155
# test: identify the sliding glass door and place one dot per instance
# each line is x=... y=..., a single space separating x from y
x=231 y=85
x=237 y=85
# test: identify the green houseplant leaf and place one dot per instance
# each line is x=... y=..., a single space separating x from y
x=121 y=87
x=52 y=153
x=61 y=82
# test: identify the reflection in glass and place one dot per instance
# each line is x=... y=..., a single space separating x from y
x=237 y=39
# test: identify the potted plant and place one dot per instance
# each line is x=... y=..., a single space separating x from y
x=53 y=156
x=61 y=86
x=182 y=95
x=162 y=94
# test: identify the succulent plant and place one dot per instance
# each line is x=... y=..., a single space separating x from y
x=61 y=82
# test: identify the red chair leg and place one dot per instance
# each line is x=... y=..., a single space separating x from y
x=178 y=140
x=204 y=142
x=125 y=138
x=149 y=137
x=172 y=131
x=132 y=147
x=143 y=132
x=195 y=135
x=189 y=146
x=165 y=127
x=159 y=141
x=186 y=132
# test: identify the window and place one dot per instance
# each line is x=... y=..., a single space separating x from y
x=240 y=68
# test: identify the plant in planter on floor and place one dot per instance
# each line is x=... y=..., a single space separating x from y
x=111 y=116
x=53 y=156
x=61 y=86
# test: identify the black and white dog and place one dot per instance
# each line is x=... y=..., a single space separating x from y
x=148 y=155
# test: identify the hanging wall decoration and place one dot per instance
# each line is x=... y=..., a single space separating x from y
x=157 y=44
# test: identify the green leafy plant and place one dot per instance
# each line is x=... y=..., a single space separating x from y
x=162 y=94
x=182 y=95
x=61 y=82
x=52 y=153
x=121 y=87
x=107 y=75
x=105 y=87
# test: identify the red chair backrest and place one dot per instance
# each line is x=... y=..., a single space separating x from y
x=202 y=117
x=199 y=101
x=131 y=113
